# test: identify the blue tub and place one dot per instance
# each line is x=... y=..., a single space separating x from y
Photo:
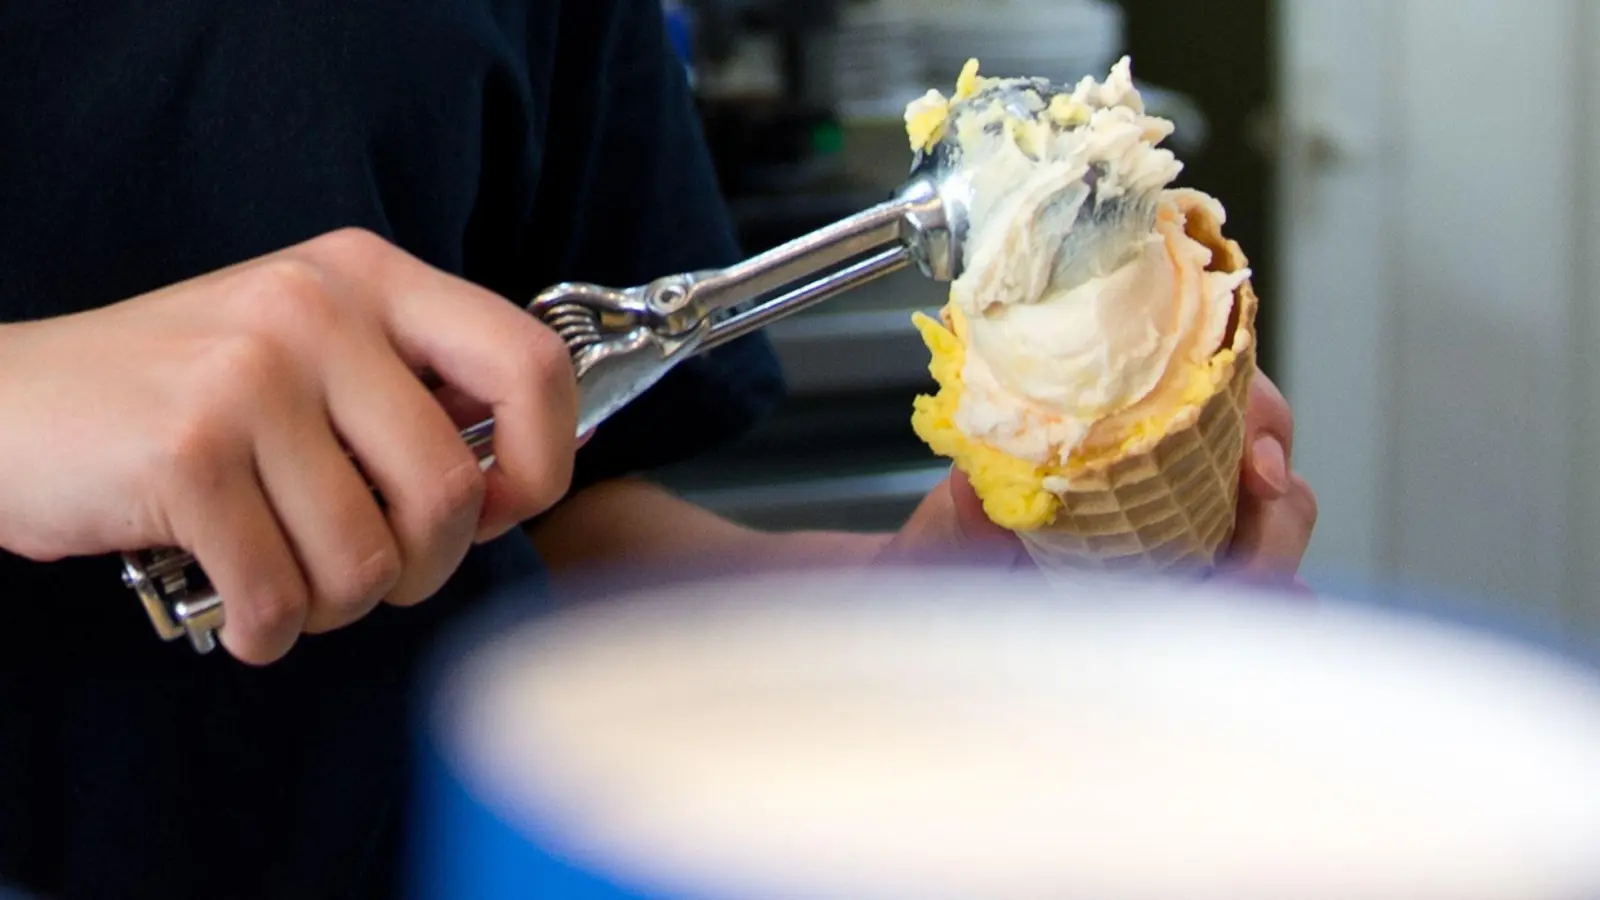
x=970 y=734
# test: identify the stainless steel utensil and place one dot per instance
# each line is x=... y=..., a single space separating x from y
x=623 y=341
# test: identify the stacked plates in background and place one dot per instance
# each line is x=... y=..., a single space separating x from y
x=889 y=52
x=1062 y=40
x=877 y=68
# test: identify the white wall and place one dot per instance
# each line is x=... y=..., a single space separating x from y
x=1335 y=262
x=1584 y=586
x=1441 y=328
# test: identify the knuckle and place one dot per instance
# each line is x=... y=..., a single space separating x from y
x=455 y=493
x=255 y=653
x=206 y=432
x=1263 y=384
x=289 y=295
x=543 y=363
x=285 y=277
x=259 y=631
x=365 y=580
x=550 y=482
x=355 y=247
x=1271 y=405
x=1312 y=511
x=243 y=364
x=197 y=451
x=442 y=533
x=276 y=611
x=252 y=652
x=541 y=358
x=1305 y=500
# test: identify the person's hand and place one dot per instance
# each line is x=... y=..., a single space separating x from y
x=1276 y=515
x=1277 y=508
x=221 y=415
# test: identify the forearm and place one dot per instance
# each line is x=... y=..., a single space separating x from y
x=634 y=524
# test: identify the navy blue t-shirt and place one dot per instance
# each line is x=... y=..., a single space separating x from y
x=514 y=142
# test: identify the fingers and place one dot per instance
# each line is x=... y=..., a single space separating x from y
x=972 y=522
x=237 y=540
x=502 y=358
x=207 y=474
x=463 y=410
x=1272 y=536
x=950 y=527
x=1265 y=474
x=1268 y=413
x=269 y=375
x=346 y=321
x=348 y=556
x=1277 y=508
x=412 y=452
x=928 y=533
x=1269 y=441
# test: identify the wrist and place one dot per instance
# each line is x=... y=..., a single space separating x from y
x=802 y=549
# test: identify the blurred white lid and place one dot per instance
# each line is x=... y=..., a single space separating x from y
x=971 y=735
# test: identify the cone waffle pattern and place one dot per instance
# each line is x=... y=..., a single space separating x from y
x=1173 y=508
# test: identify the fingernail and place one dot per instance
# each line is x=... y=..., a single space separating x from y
x=1268 y=459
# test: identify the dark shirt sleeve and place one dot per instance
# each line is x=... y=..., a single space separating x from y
x=628 y=179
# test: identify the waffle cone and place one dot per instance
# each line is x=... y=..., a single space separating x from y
x=1172 y=506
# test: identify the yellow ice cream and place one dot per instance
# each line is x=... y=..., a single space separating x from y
x=1077 y=334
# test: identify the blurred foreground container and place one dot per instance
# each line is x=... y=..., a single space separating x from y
x=973 y=735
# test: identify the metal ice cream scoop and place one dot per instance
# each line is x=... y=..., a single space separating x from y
x=623 y=341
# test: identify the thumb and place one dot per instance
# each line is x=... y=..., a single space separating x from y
x=950 y=526
x=972 y=522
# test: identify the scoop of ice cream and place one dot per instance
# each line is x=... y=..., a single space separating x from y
x=1080 y=288
x=1088 y=315
x=1043 y=374
x=1023 y=494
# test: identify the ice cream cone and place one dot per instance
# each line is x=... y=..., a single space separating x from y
x=1171 y=507
x=1093 y=376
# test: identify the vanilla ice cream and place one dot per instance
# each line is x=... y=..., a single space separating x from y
x=1088 y=314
